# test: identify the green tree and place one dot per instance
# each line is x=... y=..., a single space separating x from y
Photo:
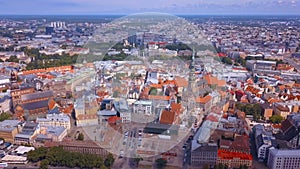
x=250 y=109
x=153 y=91
x=276 y=119
x=13 y=59
x=44 y=164
x=161 y=163
x=80 y=137
x=137 y=160
x=37 y=155
x=221 y=166
x=241 y=61
x=58 y=157
x=227 y=60
x=5 y=116
x=109 y=161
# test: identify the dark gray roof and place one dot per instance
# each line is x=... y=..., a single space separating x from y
x=162 y=126
x=207 y=148
x=37 y=95
x=3 y=99
x=35 y=105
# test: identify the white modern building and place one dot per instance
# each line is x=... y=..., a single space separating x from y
x=284 y=159
x=55 y=120
x=143 y=106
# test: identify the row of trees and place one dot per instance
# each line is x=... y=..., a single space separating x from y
x=58 y=157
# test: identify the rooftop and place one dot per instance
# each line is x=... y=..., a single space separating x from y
x=8 y=125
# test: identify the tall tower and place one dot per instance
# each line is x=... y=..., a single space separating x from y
x=189 y=95
x=192 y=70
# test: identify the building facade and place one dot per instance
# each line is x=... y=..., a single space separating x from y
x=284 y=159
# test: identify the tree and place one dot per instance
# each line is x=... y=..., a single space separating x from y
x=161 y=163
x=250 y=109
x=227 y=60
x=13 y=59
x=80 y=137
x=241 y=61
x=44 y=164
x=109 y=161
x=276 y=119
x=137 y=160
x=221 y=166
x=5 y=116
x=37 y=155
x=243 y=167
x=153 y=91
x=58 y=157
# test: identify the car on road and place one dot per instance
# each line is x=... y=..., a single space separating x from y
x=121 y=154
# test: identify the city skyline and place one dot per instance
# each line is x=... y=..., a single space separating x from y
x=194 y=7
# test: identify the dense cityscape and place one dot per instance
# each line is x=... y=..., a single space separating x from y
x=211 y=92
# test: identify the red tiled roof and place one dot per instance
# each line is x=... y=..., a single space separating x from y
x=167 y=117
x=177 y=108
x=153 y=97
x=225 y=154
x=203 y=100
x=86 y=117
x=113 y=119
x=181 y=82
x=51 y=104
x=212 y=118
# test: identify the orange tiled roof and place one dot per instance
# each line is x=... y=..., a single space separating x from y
x=221 y=83
x=51 y=104
x=210 y=79
x=252 y=89
x=113 y=119
x=156 y=85
x=177 y=108
x=153 y=97
x=181 y=82
x=60 y=68
x=68 y=110
x=281 y=87
x=173 y=82
x=272 y=100
x=167 y=117
x=86 y=117
x=297 y=85
x=212 y=118
x=203 y=99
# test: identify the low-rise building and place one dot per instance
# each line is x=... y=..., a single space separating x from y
x=263 y=141
x=51 y=133
x=290 y=131
x=9 y=129
x=29 y=131
x=143 y=106
x=204 y=154
x=55 y=120
x=5 y=104
x=281 y=159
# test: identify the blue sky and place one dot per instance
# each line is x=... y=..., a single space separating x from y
x=44 y=7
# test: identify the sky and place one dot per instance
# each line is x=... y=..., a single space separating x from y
x=202 y=7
